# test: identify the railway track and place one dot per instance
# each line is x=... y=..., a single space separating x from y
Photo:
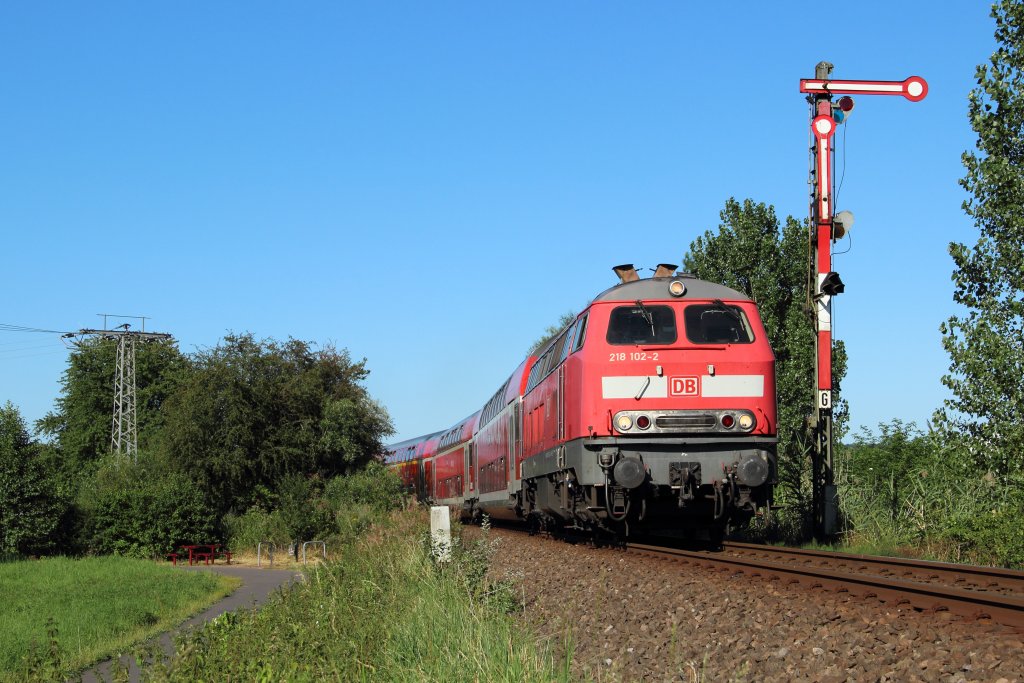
x=970 y=592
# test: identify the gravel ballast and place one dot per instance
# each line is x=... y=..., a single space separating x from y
x=634 y=618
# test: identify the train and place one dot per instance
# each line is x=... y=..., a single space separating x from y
x=653 y=411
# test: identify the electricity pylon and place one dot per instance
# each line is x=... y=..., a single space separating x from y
x=124 y=432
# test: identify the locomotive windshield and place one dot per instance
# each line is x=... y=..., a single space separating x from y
x=639 y=324
x=717 y=323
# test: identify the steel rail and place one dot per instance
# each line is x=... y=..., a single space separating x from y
x=986 y=578
x=1008 y=611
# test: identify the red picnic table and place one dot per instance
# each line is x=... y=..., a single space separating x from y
x=206 y=552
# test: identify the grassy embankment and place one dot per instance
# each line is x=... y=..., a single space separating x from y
x=59 y=615
x=379 y=610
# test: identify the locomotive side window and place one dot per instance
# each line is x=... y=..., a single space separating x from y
x=568 y=343
x=717 y=323
x=640 y=324
x=581 y=334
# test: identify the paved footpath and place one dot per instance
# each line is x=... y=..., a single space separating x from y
x=257 y=585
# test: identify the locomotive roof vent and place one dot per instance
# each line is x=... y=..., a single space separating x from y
x=626 y=273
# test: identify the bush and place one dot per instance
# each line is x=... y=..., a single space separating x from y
x=139 y=511
x=992 y=533
x=375 y=486
x=305 y=514
x=908 y=491
x=246 y=531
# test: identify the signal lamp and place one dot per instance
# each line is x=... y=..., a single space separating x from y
x=842 y=109
x=832 y=285
x=728 y=421
x=624 y=423
x=676 y=288
x=643 y=422
x=746 y=422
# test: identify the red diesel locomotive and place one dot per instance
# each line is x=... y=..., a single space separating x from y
x=654 y=409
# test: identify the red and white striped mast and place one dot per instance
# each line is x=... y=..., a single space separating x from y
x=823 y=282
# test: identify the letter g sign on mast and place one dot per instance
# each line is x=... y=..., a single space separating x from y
x=823 y=283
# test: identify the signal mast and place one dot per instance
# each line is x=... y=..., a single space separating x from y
x=822 y=282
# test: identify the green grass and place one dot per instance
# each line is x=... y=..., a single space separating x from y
x=381 y=610
x=59 y=615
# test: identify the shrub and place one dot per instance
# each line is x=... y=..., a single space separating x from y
x=375 y=486
x=246 y=531
x=304 y=514
x=140 y=511
x=906 y=489
x=991 y=532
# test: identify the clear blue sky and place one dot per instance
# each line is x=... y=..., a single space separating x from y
x=430 y=185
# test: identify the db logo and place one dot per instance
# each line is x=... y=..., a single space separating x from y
x=684 y=386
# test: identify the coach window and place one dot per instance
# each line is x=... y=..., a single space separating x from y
x=717 y=323
x=641 y=324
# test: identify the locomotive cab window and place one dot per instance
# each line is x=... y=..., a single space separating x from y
x=641 y=324
x=717 y=323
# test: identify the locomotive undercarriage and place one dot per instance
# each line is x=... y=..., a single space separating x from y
x=690 y=488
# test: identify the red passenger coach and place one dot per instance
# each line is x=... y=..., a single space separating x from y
x=655 y=408
x=412 y=460
x=451 y=482
x=499 y=447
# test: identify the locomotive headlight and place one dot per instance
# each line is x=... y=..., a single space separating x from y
x=746 y=422
x=676 y=288
x=624 y=423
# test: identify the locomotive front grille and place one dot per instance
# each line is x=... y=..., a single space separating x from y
x=691 y=421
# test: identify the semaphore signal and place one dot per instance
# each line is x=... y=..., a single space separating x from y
x=823 y=283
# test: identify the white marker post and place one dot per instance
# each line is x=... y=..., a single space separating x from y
x=440 y=533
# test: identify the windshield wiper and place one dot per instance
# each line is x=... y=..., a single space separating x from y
x=647 y=315
x=728 y=310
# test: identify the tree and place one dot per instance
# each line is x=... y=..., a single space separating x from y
x=986 y=343
x=752 y=253
x=253 y=412
x=31 y=503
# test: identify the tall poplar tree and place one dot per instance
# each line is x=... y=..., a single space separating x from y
x=755 y=254
x=986 y=342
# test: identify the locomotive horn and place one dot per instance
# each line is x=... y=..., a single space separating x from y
x=626 y=272
x=665 y=270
